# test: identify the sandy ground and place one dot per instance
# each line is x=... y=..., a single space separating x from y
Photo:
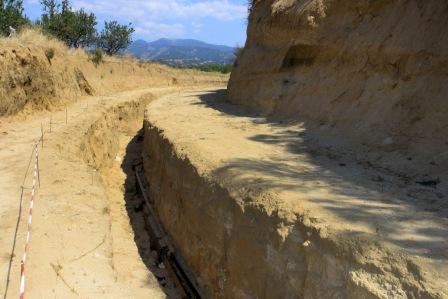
x=285 y=169
x=82 y=244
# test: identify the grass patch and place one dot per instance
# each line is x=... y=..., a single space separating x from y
x=215 y=68
x=96 y=56
x=49 y=53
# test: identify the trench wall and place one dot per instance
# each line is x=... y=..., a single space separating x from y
x=100 y=144
x=240 y=250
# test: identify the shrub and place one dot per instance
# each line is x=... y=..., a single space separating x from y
x=96 y=56
x=49 y=53
x=221 y=68
x=217 y=68
x=115 y=37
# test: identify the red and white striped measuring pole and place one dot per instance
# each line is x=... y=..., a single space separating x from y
x=30 y=220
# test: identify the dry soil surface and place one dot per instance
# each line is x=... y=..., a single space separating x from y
x=287 y=170
x=82 y=243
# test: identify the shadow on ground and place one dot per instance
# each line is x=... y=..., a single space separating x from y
x=361 y=192
x=134 y=208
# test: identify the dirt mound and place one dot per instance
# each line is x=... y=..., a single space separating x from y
x=30 y=79
x=377 y=71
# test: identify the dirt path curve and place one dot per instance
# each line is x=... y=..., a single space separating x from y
x=71 y=251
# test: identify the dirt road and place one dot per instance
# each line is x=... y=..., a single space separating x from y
x=82 y=244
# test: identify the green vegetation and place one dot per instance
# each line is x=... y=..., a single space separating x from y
x=75 y=28
x=11 y=14
x=115 y=37
x=49 y=53
x=218 y=68
x=96 y=56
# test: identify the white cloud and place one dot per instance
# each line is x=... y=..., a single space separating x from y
x=197 y=27
x=162 y=18
x=222 y=10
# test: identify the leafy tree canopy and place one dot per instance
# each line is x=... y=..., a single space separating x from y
x=115 y=37
x=75 y=28
x=11 y=14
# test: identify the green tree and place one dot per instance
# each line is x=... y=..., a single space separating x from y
x=85 y=33
x=75 y=28
x=11 y=14
x=115 y=37
x=50 y=18
x=51 y=8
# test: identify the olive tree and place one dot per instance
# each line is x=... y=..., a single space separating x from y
x=75 y=28
x=115 y=37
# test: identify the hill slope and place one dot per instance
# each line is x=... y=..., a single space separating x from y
x=29 y=81
x=182 y=52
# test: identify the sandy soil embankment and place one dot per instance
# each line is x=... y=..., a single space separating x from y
x=372 y=73
x=30 y=81
x=253 y=205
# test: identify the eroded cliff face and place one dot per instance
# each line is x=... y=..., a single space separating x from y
x=375 y=70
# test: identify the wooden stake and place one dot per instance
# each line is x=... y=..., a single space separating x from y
x=50 y=123
x=66 y=115
x=42 y=134
x=93 y=173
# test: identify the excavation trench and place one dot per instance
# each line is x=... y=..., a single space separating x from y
x=190 y=232
x=113 y=146
x=201 y=232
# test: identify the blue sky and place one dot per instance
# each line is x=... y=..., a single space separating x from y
x=214 y=21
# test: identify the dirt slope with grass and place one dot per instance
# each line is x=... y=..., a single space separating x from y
x=32 y=79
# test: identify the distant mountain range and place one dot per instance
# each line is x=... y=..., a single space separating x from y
x=182 y=52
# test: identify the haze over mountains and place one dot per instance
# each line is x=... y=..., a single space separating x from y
x=182 y=52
